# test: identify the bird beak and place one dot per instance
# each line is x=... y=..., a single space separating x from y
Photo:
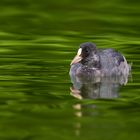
x=77 y=58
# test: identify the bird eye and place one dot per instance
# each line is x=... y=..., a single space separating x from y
x=86 y=51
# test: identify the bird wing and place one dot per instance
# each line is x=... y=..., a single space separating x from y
x=110 y=59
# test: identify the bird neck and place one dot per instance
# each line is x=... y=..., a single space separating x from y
x=92 y=61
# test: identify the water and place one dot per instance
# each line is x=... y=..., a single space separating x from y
x=38 y=39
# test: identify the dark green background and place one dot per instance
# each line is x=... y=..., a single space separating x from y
x=38 y=39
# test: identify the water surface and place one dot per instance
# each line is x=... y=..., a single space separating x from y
x=38 y=39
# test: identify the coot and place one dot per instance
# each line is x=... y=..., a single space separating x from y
x=93 y=62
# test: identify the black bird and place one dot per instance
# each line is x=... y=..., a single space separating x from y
x=92 y=62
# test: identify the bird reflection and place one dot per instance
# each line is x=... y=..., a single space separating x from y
x=97 y=87
x=93 y=88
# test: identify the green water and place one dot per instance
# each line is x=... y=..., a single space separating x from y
x=38 y=39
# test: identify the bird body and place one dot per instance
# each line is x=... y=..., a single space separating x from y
x=93 y=62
